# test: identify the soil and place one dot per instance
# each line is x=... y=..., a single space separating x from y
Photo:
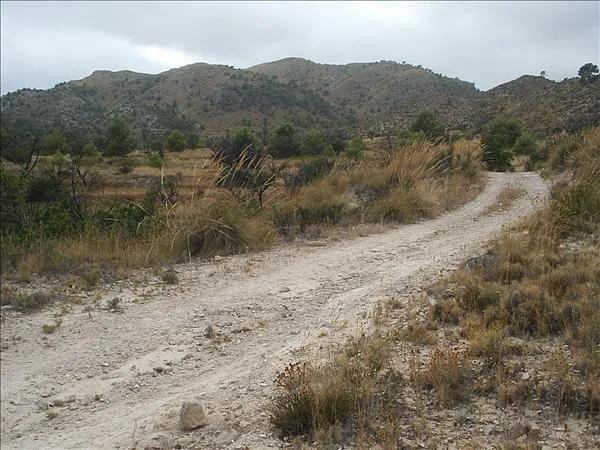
x=117 y=378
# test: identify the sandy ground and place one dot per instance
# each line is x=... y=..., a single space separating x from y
x=117 y=379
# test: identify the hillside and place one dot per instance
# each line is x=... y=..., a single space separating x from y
x=544 y=105
x=208 y=98
x=380 y=92
x=212 y=99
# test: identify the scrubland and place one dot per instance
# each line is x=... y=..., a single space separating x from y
x=503 y=352
x=108 y=227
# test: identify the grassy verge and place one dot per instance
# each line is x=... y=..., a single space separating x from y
x=509 y=345
x=417 y=181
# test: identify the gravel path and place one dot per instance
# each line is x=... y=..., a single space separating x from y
x=117 y=379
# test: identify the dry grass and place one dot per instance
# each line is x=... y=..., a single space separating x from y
x=446 y=374
x=201 y=219
x=349 y=388
x=505 y=199
x=28 y=302
x=498 y=321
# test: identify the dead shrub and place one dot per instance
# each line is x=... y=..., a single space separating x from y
x=348 y=388
x=446 y=311
x=447 y=374
x=488 y=342
x=418 y=333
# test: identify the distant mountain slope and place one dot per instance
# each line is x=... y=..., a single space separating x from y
x=383 y=91
x=209 y=98
x=545 y=106
x=212 y=99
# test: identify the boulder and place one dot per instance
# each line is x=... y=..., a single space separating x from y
x=192 y=416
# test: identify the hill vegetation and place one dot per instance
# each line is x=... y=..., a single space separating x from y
x=204 y=102
x=513 y=334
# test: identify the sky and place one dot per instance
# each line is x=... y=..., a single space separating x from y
x=488 y=43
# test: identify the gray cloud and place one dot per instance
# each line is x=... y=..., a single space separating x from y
x=489 y=43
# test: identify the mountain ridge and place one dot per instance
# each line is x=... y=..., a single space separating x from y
x=213 y=99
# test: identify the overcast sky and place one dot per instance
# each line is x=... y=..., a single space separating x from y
x=43 y=43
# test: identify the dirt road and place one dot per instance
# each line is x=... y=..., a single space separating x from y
x=117 y=379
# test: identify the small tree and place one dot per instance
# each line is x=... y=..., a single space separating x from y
x=428 y=123
x=244 y=165
x=588 y=73
x=315 y=144
x=355 y=148
x=55 y=142
x=526 y=145
x=284 y=141
x=193 y=140
x=176 y=141
x=118 y=137
x=89 y=149
x=543 y=74
x=498 y=138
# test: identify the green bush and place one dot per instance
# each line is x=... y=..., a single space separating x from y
x=526 y=145
x=427 y=122
x=307 y=172
x=284 y=142
x=155 y=160
x=176 y=141
x=499 y=137
x=355 y=149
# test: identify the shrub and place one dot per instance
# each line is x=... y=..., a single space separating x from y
x=526 y=145
x=155 y=161
x=118 y=137
x=349 y=387
x=355 y=149
x=498 y=138
x=307 y=172
x=428 y=123
x=447 y=374
x=176 y=141
x=314 y=143
x=284 y=142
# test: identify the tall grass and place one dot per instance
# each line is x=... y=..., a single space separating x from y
x=417 y=181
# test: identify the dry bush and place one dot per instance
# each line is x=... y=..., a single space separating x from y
x=488 y=342
x=467 y=157
x=27 y=302
x=418 y=333
x=169 y=276
x=406 y=204
x=475 y=294
x=216 y=225
x=446 y=311
x=350 y=387
x=505 y=198
x=447 y=374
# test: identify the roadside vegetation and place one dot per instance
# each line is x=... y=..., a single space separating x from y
x=514 y=335
x=64 y=211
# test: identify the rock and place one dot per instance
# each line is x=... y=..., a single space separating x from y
x=218 y=258
x=159 y=369
x=225 y=437
x=285 y=289
x=192 y=416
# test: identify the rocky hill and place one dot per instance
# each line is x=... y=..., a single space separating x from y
x=206 y=98
x=545 y=106
x=384 y=92
x=212 y=99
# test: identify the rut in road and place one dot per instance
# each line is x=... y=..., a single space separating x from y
x=222 y=333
